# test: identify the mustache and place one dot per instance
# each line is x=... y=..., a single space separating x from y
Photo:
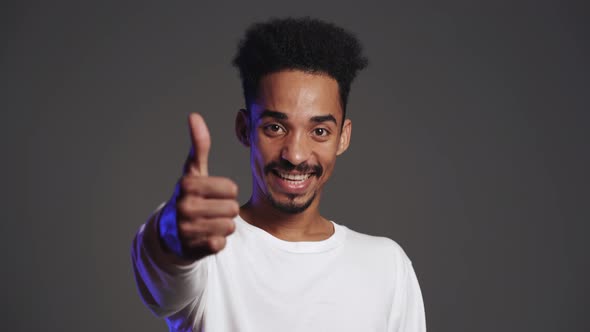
x=286 y=166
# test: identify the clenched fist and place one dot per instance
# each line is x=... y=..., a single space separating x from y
x=197 y=219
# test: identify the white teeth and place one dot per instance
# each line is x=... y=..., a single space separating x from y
x=294 y=177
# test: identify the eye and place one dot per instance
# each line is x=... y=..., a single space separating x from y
x=273 y=129
x=321 y=132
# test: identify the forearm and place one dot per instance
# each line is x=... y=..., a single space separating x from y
x=165 y=282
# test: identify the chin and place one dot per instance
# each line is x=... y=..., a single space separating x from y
x=291 y=207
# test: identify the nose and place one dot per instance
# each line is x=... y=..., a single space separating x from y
x=296 y=149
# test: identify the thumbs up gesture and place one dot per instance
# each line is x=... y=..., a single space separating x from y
x=199 y=216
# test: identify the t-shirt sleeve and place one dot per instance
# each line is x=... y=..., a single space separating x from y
x=167 y=288
x=407 y=312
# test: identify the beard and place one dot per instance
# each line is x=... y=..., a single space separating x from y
x=291 y=207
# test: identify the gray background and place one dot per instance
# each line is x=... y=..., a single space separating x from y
x=469 y=148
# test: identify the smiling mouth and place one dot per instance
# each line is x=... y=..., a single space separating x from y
x=293 y=178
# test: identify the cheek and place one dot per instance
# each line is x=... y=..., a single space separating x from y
x=327 y=152
x=267 y=149
x=261 y=156
x=257 y=160
x=328 y=157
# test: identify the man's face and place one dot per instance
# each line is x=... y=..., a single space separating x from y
x=295 y=134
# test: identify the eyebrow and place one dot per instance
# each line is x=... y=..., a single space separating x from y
x=273 y=114
x=282 y=116
x=323 y=118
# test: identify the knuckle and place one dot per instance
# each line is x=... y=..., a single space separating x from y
x=226 y=186
x=191 y=206
x=232 y=188
x=183 y=207
x=191 y=225
x=196 y=203
x=216 y=243
x=181 y=210
x=196 y=242
x=183 y=228
x=185 y=183
x=191 y=184
x=230 y=226
x=234 y=208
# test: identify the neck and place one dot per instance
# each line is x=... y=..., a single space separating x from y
x=307 y=225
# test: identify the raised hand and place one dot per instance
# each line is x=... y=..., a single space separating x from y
x=199 y=216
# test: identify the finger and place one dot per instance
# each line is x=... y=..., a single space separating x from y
x=216 y=243
x=201 y=143
x=206 y=227
x=204 y=246
x=209 y=187
x=196 y=207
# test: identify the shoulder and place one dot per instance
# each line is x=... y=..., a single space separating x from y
x=379 y=243
x=380 y=256
x=377 y=247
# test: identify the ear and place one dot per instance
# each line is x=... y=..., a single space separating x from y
x=344 y=137
x=243 y=127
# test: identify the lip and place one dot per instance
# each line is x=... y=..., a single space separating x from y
x=292 y=187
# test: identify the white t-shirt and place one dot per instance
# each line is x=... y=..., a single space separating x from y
x=348 y=282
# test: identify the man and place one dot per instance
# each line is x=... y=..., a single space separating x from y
x=276 y=264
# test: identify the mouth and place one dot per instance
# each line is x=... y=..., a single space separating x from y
x=293 y=183
x=291 y=177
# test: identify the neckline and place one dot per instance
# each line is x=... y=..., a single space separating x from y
x=302 y=247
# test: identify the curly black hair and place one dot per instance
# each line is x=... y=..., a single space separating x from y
x=305 y=44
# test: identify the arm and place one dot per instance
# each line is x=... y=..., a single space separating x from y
x=166 y=283
x=170 y=251
x=407 y=312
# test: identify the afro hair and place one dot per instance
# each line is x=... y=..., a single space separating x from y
x=304 y=44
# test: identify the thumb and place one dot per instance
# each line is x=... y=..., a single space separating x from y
x=201 y=143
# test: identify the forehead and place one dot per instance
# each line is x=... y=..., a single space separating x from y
x=298 y=94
